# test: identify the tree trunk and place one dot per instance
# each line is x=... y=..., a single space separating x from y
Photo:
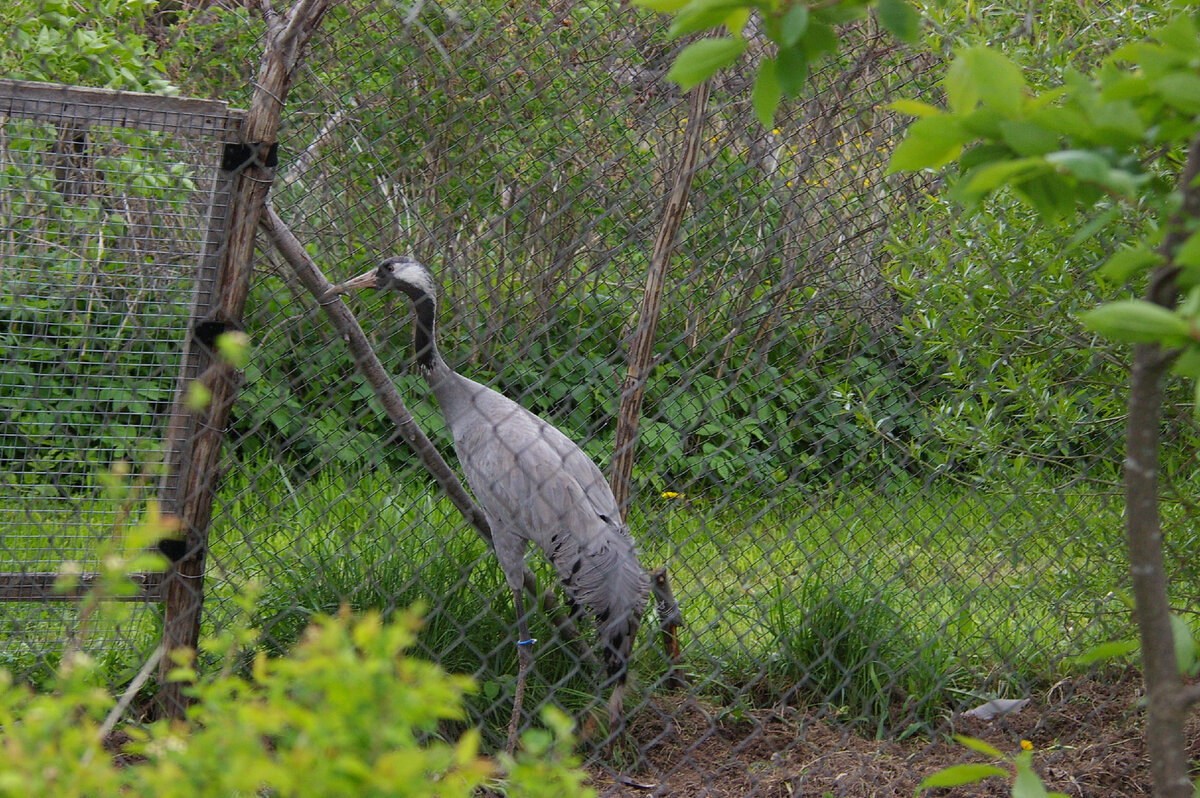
x=1167 y=700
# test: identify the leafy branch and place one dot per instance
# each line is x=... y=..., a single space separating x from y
x=802 y=34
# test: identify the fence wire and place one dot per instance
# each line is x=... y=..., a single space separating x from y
x=877 y=455
x=106 y=200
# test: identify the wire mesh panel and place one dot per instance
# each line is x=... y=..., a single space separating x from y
x=877 y=456
x=107 y=201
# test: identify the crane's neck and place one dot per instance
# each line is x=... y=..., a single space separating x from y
x=424 y=345
x=429 y=360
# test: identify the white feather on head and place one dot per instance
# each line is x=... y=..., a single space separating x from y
x=407 y=271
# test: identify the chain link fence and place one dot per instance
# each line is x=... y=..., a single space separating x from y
x=877 y=455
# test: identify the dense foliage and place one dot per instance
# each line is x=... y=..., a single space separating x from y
x=824 y=325
x=758 y=374
x=347 y=712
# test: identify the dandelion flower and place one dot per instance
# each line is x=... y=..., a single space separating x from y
x=1026 y=745
x=670 y=494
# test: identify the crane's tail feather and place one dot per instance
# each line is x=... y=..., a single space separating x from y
x=607 y=579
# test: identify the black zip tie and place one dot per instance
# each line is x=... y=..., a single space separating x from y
x=238 y=156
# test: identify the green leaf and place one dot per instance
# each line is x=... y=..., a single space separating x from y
x=915 y=108
x=793 y=25
x=792 y=69
x=1189 y=308
x=1188 y=363
x=766 y=94
x=662 y=6
x=198 y=397
x=820 y=38
x=900 y=19
x=1180 y=35
x=1136 y=321
x=700 y=60
x=981 y=155
x=1065 y=122
x=1027 y=784
x=1185 y=645
x=1119 y=122
x=1128 y=87
x=234 y=348
x=986 y=179
x=1125 y=263
x=982 y=75
x=701 y=15
x=736 y=20
x=929 y=143
x=1083 y=164
x=1113 y=649
x=979 y=746
x=1187 y=254
x=1094 y=226
x=957 y=775
x=1028 y=138
x=1051 y=195
x=1180 y=90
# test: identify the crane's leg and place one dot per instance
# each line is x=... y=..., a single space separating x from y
x=524 y=661
x=616 y=708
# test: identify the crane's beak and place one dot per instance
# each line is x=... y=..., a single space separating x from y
x=365 y=280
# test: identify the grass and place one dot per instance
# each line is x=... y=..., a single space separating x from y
x=889 y=608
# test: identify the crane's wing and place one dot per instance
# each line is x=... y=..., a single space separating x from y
x=523 y=468
x=536 y=484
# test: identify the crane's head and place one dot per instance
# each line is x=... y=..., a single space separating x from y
x=395 y=274
x=409 y=276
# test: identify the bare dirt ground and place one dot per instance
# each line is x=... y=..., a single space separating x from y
x=1086 y=733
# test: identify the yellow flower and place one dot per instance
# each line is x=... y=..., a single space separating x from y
x=670 y=494
x=1026 y=745
x=775 y=132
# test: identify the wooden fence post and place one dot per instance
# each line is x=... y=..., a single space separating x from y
x=251 y=163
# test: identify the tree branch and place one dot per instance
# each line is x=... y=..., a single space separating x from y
x=1188 y=696
x=641 y=348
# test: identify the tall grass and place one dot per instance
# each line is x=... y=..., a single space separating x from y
x=888 y=609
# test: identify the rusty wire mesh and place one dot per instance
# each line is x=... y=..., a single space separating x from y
x=107 y=200
x=878 y=456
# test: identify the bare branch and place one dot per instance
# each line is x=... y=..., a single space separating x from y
x=300 y=19
x=641 y=348
x=264 y=8
x=304 y=160
x=1188 y=696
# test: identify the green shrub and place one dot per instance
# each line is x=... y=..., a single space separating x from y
x=345 y=713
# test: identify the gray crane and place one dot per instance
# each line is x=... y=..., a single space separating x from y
x=533 y=484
